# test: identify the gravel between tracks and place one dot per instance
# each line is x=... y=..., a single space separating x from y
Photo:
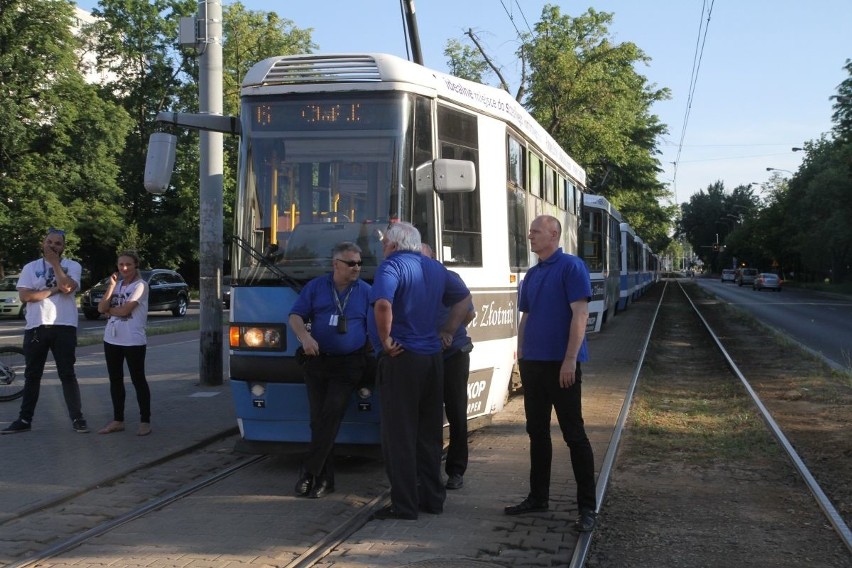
x=663 y=510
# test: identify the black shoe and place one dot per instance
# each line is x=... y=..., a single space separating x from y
x=527 y=506
x=321 y=488
x=456 y=481
x=80 y=426
x=390 y=513
x=17 y=427
x=586 y=521
x=304 y=485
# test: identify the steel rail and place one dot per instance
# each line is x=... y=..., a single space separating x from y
x=584 y=541
x=822 y=500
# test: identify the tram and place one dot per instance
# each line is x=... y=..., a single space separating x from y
x=600 y=251
x=335 y=148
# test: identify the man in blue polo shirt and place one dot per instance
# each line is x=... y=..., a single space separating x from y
x=408 y=292
x=554 y=300
x=336 y=306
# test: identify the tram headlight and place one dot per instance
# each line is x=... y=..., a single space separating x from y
x=258 y=389
x=256 y=337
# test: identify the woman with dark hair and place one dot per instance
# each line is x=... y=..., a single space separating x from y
x=126 y=304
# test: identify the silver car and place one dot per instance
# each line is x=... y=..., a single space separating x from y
x=767 y=281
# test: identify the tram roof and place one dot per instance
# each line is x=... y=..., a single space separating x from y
x=338 y=72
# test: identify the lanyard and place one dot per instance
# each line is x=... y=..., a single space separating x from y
x=341 y=307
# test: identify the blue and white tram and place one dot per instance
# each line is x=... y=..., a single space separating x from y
x=334 y=148
x=629 y=280
x=600 y=251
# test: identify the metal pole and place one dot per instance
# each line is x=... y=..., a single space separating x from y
x=210 y=194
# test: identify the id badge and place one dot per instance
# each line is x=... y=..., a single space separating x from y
x=332 y=321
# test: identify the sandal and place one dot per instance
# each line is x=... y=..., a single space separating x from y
x=114 y=426
x=144 y=429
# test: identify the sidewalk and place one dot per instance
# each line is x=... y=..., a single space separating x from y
x=52 y=461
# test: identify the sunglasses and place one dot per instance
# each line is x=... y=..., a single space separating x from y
x=55 y=231
x=350 y=263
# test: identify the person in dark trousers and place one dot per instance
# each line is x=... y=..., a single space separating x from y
x=125 y=303
x=408 y=291
x=554 y=299
x=335 y=306
x=48 y=286
x=456 y=372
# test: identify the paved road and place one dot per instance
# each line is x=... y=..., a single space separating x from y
x=12 y=329
x=818 y=321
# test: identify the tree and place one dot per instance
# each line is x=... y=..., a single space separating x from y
x=59 y=144
x=465 y=62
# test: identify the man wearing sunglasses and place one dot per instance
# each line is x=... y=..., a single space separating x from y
x=48 y=286
x=330 y=320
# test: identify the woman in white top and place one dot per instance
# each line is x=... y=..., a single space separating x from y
x=126 y=304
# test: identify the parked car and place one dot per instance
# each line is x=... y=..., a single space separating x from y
x=746 y=275
x=767 y=281
x=167 y=291
x=729 y=275
x=10 y=303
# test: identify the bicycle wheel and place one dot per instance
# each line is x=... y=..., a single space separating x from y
x=11 y=373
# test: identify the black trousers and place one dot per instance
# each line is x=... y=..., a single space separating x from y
x=542 y=393
x=330 y=382
x=456 y=370
x=411 y=389
x=61 y=341
x=115 y=356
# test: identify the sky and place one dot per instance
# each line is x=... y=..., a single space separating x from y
x=766 y=72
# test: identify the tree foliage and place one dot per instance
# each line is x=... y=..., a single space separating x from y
x=584 y=89
x=60 y=138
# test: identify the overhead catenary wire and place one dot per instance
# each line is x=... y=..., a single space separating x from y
x=700 y=42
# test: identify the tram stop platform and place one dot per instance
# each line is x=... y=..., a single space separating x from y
x=260 y=523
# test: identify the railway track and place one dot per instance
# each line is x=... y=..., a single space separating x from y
x=683 y=374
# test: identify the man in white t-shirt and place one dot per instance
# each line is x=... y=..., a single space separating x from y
x=48 y=286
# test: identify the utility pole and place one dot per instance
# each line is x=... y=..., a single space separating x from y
x=209 y=26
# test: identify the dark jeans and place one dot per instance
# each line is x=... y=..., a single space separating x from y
x=61 y=341
x=456 y=370
x=412 y=430
x=542 y=393
x=330 y=382
x=115 y=356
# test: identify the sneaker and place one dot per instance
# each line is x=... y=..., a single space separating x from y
x=586 y=521
x=81 y=426
x=17 y=427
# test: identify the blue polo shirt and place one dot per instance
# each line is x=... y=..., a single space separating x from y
x=417 y=287
x=316 y=305
x=545 y=297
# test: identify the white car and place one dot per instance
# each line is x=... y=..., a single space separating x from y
x=729 y=275
x=10 y=303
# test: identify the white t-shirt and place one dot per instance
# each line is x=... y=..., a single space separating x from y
x=129 y=329
x=59 y=309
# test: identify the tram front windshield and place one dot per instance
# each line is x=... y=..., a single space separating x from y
x=316 y=171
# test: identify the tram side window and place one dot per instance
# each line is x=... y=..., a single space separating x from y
x=593 y=240
x=462 y=230
x=535 y=175
x=549 y=190
x=561 y=188
x=516 y=204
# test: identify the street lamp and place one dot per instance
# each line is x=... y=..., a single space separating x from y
x=797 y=149
x=779 y=170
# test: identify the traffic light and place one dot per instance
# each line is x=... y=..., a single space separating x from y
x=716 y=247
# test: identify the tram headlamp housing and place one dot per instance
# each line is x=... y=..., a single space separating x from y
x=257 y=337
